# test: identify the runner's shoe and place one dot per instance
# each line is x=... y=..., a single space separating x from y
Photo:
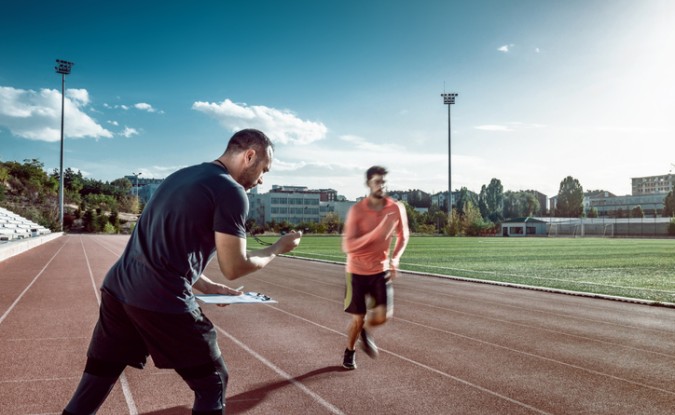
x=369 y=345
x=349 y=362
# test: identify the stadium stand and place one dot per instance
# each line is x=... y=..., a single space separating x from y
x=13 y=226
x=18 y=234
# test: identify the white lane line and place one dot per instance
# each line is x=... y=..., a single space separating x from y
x=126 y=390
x=484 y=317
x=11 y=307
x=528 y=354
x=316 y=397
x=422 y=365
x=541 y=328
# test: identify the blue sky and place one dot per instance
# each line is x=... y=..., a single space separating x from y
x=547 y=89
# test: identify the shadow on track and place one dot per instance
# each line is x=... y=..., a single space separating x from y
x=245 y=401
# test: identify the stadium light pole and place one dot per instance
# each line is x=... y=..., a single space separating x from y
x=449 y=100
x=136 y=175
x=62 y=67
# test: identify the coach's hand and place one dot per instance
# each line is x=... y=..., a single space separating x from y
x=287 y=242
x=224 y=289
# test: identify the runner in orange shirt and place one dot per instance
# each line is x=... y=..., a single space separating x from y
x=370 y=226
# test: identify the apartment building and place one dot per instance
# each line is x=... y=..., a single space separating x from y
x=653 y=184
x=295 y=205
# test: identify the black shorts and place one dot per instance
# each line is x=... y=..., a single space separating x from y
x=367 y=291
x=128 y=334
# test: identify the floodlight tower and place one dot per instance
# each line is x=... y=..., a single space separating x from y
x=449 y=100
x=136 y=175
x=62 y=67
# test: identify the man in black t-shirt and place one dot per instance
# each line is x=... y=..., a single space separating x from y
x=147 y=303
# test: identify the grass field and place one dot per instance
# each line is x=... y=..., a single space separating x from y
x=634 y=268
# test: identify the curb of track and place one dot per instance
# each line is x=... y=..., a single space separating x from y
x=12 y=248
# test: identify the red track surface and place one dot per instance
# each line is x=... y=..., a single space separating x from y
x=452 y=347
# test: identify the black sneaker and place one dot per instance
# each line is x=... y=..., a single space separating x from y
x=349 y=362
x=369 y=345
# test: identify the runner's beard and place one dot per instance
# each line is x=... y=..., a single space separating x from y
x=379 y=194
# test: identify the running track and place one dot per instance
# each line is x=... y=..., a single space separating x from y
x=452 y=348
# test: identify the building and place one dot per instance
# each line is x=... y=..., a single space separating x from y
x=144 y=187
x=609 y=205
x=295 y=205
x=649 y=193
x=440 y=199
x=622 y=206
x=653 y=184
x=524 y=227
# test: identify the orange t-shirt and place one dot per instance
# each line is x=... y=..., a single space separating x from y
x=368 y=233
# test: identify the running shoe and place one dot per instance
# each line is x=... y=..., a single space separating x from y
x=369 y=345
x=349 y=362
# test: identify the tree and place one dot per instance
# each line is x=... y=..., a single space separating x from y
x=669 y=205
x=331 y=222
x=454 y=226
x=492 y=198
x=413 y=217
x=473 y=223
x=520 y=204
x=437 y=217
x=511 y=205
x=570 y=198
x=462 y=200
x=637 y=212
x=592 y=213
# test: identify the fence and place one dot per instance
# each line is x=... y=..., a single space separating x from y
x=605 y=227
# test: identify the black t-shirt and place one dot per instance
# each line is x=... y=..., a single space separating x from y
x=174 y=239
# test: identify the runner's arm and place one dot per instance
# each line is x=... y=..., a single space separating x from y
x=402 y=237
x=351 y=242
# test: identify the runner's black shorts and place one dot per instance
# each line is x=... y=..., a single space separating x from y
x=367 y=291
x=128 y=334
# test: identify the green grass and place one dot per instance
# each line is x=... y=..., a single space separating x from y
x=634 y=268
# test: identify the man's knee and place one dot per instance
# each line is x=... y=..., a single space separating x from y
x=378 y=315
x=104 y=368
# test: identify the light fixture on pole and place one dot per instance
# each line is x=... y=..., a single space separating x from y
x=449 y=100
x=136 y=175
x=62 y=67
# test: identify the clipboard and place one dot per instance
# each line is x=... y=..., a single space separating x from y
x=246 y=298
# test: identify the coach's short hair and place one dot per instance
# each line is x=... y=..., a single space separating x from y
x=249 y=138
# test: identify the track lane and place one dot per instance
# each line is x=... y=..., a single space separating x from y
x=452 y=347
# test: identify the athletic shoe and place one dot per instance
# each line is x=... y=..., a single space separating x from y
x=369 y=345
x=349 y=362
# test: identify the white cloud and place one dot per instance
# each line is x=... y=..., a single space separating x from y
x=81 y=96
x=129 y=132
x=505 y=48
x=37 y=115
x=281 y=126
x=144 y=107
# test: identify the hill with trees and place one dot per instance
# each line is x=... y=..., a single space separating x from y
x=90 y=205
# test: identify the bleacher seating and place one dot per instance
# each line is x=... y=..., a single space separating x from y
x=13 y=227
